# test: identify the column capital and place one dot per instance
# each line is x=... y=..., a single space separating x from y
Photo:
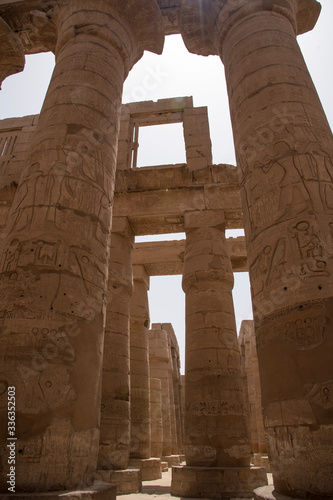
x=12 y=58
x=140 y=27
x=197 y=219
x=204 y=25
x=140 y=274
x=121 y=226
x=207 y=263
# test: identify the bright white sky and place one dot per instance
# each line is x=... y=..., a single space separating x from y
x=178 y=73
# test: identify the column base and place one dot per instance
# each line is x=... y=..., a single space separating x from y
x=269 y=493
x=99 y=491
x=172 y=460
x=127 y=480
x=150 y=467
x=261 y=460
x=165 y=466
x=216 y=482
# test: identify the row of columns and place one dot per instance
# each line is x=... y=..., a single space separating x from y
x=55 y=253
x=283 y=146
x=252 y=393
x=138 y=416
x=53 y=293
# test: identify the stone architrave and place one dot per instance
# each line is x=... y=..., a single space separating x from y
x=139 y=366
x=115 y=409
x=284 y=153
x=55 y=251
x=12 y=58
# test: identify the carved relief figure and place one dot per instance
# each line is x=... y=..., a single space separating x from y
x=310 y=250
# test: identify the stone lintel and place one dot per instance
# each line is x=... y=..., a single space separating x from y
x=150 y=108
x=204 y=218
x=216 y=482
x=140 y=274
x=11 y=52
x=36 y=35
x=99 y=491
x=164 y=258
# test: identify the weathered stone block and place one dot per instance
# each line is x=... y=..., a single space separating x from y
x=150 y=468
x=216 y=482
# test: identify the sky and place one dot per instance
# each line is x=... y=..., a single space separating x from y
x=177 y=73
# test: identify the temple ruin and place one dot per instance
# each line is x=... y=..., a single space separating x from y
x=100 y=402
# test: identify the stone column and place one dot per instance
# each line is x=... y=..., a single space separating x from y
x=252 y=392
x=156 y=417
x=173 y=422
x=139 y=374
x=159 y=360
x=175 y=375
x=56 y=250
x=284 y=153
x=215 y=427
x=213 y=389
x=115 y=416
x=176 y=391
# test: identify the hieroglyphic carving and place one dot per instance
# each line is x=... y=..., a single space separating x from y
x=215 y=408
x=321 y=394
x=170 y=9
x=305 y=333
x=268 y=266
x=295 y=179
x=311 y=252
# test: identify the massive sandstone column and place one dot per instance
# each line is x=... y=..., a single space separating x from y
x=115 y=415
x=175 y=363
x=177 y=396
x=252 y=393
x=161 y=339
x=139 y=374
x=56 y=251
x=284 y=154
x=156 y=417
x=160 y=367
x=215 y=427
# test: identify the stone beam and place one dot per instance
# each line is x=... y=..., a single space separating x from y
x=155 y=198
x=33 y=27
x=39 y=36
x=11 y=52
x=162 y=258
